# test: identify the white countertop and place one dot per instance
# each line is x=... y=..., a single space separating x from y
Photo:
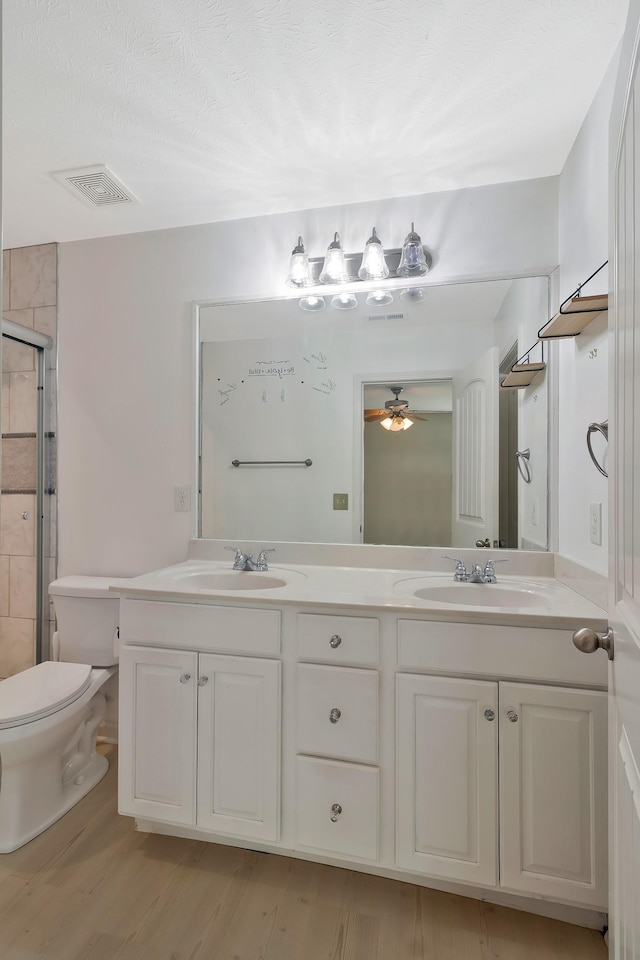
x=546 y=602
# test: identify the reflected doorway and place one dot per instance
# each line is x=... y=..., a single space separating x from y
x=408 y=473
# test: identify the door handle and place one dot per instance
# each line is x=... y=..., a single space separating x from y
x=588 y=641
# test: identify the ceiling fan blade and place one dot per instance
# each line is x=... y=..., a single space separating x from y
x=414 y=416
x=376 y=416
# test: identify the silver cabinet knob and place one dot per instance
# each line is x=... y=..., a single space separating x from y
x=588 y=641
x=202 y=681
x=489 y=714
x=336 y=810
x=335 y=641
x=26 y=515
x=185 y=677
x=511 y=713
x=335 y=715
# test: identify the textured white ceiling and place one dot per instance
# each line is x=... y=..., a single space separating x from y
x=218 y=110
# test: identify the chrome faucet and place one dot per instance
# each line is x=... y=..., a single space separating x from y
x=261 y=562
x=245 y=561
x=478 y=574
x=242 y=561
x=460 y=576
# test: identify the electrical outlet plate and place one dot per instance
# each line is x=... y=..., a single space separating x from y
x=182 y=498
x=341 y=501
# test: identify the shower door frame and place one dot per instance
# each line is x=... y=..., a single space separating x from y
x=39 y=342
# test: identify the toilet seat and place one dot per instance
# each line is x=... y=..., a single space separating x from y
x=40 y=691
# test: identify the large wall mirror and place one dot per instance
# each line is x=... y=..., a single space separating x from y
x=295 y=409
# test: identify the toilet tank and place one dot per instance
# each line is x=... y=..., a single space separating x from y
x=87 y=615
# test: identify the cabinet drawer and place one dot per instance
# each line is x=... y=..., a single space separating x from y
x=345 y=791
x=338 y=712
x=528 y=653
x=351 y=640
x=243 y=630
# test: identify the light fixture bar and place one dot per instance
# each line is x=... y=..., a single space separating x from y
x=353 y=263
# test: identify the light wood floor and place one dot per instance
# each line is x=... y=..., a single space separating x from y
x=91 y=887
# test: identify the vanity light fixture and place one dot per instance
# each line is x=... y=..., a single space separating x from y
x=412 y=294
x=413 y=262
x=379 y=298
x=299 y=269
x=334 y=269
x=374 y=266
x=344 y=301
x=312 y=304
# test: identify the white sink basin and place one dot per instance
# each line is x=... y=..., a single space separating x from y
x=504 y=594
x=233 y=579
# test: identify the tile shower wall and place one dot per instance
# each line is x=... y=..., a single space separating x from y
x=29 y=297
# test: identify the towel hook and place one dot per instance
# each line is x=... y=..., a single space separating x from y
x=602 y=428
x=522 y=459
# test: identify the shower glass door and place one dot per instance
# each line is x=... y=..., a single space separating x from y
x=25 y=502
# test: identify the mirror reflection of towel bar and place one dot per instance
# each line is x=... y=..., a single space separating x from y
x=602 y=428
x=251 y=463
x=522 y=459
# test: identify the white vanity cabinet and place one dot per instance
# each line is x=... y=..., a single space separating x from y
x=337 y=720
x=436 y=751
x=553 y=792
x=447 y=770
x=528 y=760
x=202 y=742
x=158 y=722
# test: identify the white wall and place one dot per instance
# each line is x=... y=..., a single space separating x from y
x=125 y=344
x=583 y=363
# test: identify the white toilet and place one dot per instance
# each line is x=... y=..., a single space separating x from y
x=50 y=714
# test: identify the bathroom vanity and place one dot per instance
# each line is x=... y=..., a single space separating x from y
x=390 y=721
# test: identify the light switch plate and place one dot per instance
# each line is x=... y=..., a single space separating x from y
x=341 y=501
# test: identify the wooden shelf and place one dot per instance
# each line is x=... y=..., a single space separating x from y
x=521 y=375
x=576 y=314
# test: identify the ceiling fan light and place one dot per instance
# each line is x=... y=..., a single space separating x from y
x=374 y=266
x=379 y=298
x=413 y=261
x=334 y=268
x=344 y=301
x=299 y=268
x=312 y=304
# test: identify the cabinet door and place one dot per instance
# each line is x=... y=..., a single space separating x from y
x=157 y=752
x=239 y=746
x=553 y=792
x=447 y=748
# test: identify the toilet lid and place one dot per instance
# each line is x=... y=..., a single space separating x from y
x=41 y=690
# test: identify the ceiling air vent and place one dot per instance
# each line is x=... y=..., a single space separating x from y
x=96 y=186
x=386 y=316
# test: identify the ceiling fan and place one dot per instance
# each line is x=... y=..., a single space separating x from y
x=395 y=414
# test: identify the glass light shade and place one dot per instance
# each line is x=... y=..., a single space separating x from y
x=379 y=298
x=396 y=423
x=334 y=268
x=312 y=304
x=413 y=262
x=412 y=295
x=374 y=266
x=299 y=268
x=344 y=301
